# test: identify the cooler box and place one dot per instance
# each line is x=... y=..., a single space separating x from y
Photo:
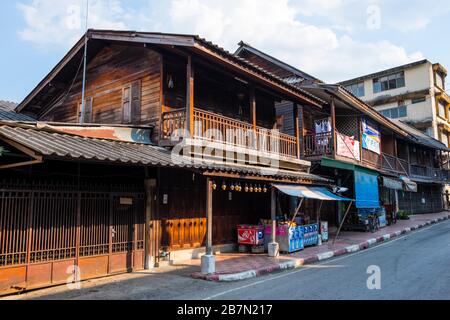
x=290 y=239
x=311 y=234
x=250 y=235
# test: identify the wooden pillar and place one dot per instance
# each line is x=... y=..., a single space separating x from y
x=253 y=115
x=190 y=97
x=253 y=107
x=360 y=139
x=408 y=158
x=152 y=239
x=274 y=248
x=273 y=214
x=209 y=216
x=297 y=130
x=333 y=125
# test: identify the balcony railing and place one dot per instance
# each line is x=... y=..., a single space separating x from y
x=212 y=127
x=428 y=173
x=394 y=164
x=316 y=145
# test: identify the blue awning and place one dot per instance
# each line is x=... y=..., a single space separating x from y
x=366 y=189
x=319 y=193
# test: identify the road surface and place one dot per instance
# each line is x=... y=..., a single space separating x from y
x=415 y=266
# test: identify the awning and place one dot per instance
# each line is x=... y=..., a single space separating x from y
x=410 y=185
x=393 y=184
x=366 y=189
x=319 y=193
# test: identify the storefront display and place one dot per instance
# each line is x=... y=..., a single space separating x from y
x=293 y=230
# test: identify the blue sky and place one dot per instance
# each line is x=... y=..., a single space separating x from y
x=331 y=39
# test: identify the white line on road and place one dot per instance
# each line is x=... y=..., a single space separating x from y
x=309 y=267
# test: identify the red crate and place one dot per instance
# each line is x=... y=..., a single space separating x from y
x=250 y=235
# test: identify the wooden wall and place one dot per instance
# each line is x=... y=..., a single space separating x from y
x=114 y=68
x=183 y=217
x=285 y=110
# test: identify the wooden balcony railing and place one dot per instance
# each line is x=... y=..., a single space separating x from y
x=394 y=164
x=316 y=145
x=209 y=126
x=172 y=124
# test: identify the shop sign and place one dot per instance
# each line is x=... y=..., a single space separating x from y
x=347 y=147
x=371 y=138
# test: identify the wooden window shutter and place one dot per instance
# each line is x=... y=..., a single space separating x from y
x=88 y=111
x=126 y=105
x=136 y=102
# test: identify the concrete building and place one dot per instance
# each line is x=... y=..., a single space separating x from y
x=414 y=93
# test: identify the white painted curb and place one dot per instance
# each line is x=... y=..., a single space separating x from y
x=237 y=276
x=325 y=255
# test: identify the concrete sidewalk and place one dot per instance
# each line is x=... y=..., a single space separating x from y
x=235 y=267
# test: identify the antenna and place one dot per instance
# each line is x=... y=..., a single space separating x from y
x=83 y=92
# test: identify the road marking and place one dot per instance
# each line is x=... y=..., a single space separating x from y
x=309 y=267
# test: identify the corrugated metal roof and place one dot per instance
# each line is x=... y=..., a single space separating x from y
x=7 y=112
x=71 y=147
x=421 y=137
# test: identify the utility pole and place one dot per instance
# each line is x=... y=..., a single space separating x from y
x=83 y=92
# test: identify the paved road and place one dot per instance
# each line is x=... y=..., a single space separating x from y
x=415 y=266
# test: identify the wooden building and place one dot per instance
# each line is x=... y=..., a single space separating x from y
x=95 y=188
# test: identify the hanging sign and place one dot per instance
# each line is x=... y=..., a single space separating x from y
x=347 y=147
x=371 y=138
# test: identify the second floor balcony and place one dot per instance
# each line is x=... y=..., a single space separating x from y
x=231 y=134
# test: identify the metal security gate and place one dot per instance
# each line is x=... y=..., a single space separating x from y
x=49 y=231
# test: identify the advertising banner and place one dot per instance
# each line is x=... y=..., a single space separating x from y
x=371 y=138
x=347 y=147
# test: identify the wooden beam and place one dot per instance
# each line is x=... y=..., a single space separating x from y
x=190 y=97
x=253 y=107
x=343 y=220
x=273 y=214
x=209 y=216
x=20 y=164
x=333 y=126
x=258 y=178
x=151 y=228
x=297 y=130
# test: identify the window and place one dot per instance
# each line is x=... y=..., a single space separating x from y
x=444 y=138
x=126 y=104
x=395 y=113
x=389 y=82
x=357 y=89
x=440 y=80
x=419 y=100
x=442 y=112
x=131 y=103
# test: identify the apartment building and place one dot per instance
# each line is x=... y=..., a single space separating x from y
x=414 y=94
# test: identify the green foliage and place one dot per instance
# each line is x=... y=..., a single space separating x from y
x=403 y=215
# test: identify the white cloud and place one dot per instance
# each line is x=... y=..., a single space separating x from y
x=273 y=27
x=285 y=29
x=56 y=22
